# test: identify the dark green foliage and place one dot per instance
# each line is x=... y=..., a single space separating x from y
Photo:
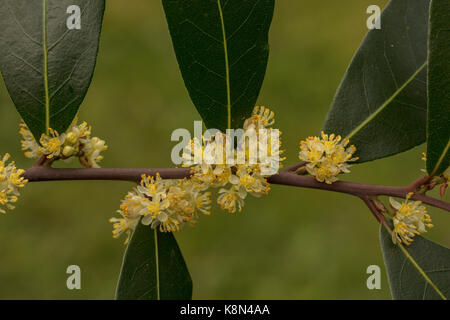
x=222 y=51
x=47 y=80
x=438 y=153
x=153 y=268
x=404 y=279
x=381 y=104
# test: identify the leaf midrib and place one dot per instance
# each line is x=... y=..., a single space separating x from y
x=414 y=263
x=158 y=293
x=386 y=103
x=421 y=271
x=45 y=53
x=227 y=67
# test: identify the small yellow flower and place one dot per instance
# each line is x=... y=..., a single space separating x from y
x=30 y=147
x=411 y=218
x=131 y=209
x=211 y=175
x=11 y=181
x=134 y=205
x=424 y=156
x=203 y=202
x=90 y=150
x=152 y=186
x=75 y=133
x=157 y=206
x=123 y=225
x=207 y=159
x=193 y=152
x=327 y=156
x=51 y=143
x=262 y=117
x=270 y=153
x=231 y=199
x=251 y=180
x=165 y=205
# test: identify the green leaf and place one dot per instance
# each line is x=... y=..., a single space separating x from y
x=381 y=103
x=222 y=51
x=405 y=280
x=153 y=268
x=438 y=152
x=48 y=67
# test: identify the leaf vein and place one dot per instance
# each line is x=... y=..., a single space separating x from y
x=71 y=73
x=20 y=25
x=26 y=62
x=201 y=30
x=243 y=55
x=67 y=31
x=245 y=21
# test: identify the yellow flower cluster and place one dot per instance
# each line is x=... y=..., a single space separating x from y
x=11 y=181
x=237 y=170
x=75 y=142
x=411 y=218
x=327 y=156
x=163 y=204
x=170 y=204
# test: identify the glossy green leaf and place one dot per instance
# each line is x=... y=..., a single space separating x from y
x=47 y=66
x=381 y=103
x=153 y=268
x=222 y=51
x=438 y=149
x=405 y=280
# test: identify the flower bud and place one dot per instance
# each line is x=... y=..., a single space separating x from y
x=72 y=138
x=68 y=151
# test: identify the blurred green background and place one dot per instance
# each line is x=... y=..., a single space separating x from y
x=291 y=244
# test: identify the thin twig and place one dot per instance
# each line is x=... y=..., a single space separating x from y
x=37 y=174
x=283 y=178
x=418 y=183
x=373 y=209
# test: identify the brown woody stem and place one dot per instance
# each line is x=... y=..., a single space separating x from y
x=288 y=178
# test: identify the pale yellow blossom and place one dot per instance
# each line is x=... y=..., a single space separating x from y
x=11 y=181
x=123 y=225
x=326 y=157
x=411 y=219
x=29 y=145
x=52 y=143
x=168 y=205
x=262 y=117
x=231 y=199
